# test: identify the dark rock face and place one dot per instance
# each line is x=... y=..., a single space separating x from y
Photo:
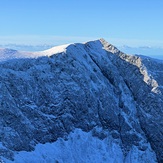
x=89 y=85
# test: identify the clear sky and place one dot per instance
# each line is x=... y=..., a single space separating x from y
x=121 y=22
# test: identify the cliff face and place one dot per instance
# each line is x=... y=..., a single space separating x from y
x=89 y=89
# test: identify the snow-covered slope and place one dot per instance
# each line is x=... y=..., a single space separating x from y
x=86 y=102
x=82 y=147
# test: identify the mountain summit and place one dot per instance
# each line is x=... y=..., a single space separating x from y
x=80 y=103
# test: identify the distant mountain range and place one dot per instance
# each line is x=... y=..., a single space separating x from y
x=80 y=103
x=27 y=47
x=154 y=52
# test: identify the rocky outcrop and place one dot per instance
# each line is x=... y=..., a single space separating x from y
x=85 y=86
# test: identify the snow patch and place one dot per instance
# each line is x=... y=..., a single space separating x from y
x=82 y=147
x=52 y=51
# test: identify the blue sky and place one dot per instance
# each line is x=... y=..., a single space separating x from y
x=121 y=22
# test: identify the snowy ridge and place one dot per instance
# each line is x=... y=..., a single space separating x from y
x=8 y=54
x=150 y=68
x=90 y=91
x=52 y=51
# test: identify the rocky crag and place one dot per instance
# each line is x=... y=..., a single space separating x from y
x=89 y=89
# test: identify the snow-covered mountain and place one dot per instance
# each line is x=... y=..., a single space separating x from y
x=80 y=103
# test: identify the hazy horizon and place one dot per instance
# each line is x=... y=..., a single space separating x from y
x=38 y=26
